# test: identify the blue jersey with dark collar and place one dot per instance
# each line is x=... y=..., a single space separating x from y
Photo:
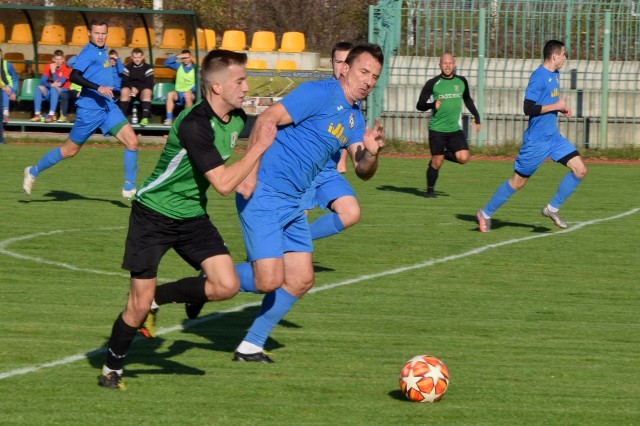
x=324 y=122
x=543 y=89
x=94 y=63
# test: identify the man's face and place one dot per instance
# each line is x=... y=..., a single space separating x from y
x=186 y=59
x=447 y=65
x=361 y=76
x=98 y=35
x=58 y=60
x=337 y=62
x=560 y=58
x=234 y=85
x=137 y=58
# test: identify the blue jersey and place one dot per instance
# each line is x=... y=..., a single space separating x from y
x=324 y=122
x=94 y=63
x=543 y=89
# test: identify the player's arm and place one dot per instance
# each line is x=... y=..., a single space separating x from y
x=531 y=108
x=364 y=155
x=341 y=167
x=425 y=96
x=14 y=76
x=172 y=62
x=468 y=102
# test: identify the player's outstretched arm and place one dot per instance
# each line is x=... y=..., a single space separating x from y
x=225 y=179
x=365 y=154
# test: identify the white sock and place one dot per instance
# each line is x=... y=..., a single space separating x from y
x=154 y=305
x=248 y=348
x=484 y=214
x=552 y=209
x=106 y=371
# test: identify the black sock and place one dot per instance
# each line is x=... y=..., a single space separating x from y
x=432 y=176
x=122 y=335
x=450 y=156
x=124 y=107
x=146 y=109
x=186 y=290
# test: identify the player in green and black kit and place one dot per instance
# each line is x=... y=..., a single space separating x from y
x=170 y=207
x=445 y=94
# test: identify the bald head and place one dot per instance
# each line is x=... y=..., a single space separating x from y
x=447 y=65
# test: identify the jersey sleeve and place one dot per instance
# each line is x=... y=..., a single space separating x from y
x=305 y=100
x=468 y=100
x=534 y=88
x=425 y=101
x=199 y=143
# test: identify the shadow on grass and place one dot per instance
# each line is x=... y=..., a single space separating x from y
x=409 y=190
x=223 y=330
x=497 y=224
x=70 y=196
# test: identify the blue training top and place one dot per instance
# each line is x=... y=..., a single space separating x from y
x=543 y=89
x=94 y=63
x=324 y=122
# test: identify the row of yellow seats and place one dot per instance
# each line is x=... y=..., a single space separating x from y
x=172 y=38
x=264 y=41
x=281 y=65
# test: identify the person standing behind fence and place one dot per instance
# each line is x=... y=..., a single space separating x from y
x=444 y=94
x=95 y=109
x=542 y=139
x=185 y=86
x=9 y=85
x=137 y=83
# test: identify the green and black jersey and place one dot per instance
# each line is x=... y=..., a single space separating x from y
x=198 y=141
x=451 y=92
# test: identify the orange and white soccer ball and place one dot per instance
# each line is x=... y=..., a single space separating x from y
x=424 y=378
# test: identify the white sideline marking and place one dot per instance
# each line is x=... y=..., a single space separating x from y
x=189 y=324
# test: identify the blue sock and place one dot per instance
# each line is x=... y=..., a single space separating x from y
x=130 y=169
x=326 y=225
x=169 y=115
x=50 y=158
x=275 y=306
x=500 y=197
x=247 y=281
x=567 y=185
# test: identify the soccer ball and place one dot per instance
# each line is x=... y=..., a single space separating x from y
x=424 y=378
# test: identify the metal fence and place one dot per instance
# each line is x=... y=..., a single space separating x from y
x=497 y=44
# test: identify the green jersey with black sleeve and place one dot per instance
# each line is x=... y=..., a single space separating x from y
x=451 y=92
x=198 y=141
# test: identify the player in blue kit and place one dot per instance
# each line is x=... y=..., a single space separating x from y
x=541 y=140
x=275 y=229
x=330 y=190
x=96 y=108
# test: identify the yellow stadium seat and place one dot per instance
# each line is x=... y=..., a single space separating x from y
x=2 y=33
x=234 y=40
x=256 y=64
x=202 y=41
x=53 y=35
x=79 y=36
x=162 y=72
x=139 y=37
x=116 y=37
x=286 y=65
x=263 y=41
x=173 y=38
x=44 y=60
x=210 y=38
x=21 y=34
x=292 y=42
x=17 y=60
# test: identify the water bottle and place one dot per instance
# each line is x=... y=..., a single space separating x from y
x=134 y=115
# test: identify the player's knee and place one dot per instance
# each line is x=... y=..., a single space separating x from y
x=580 y=172
x=266 y=283
x=463 y=157
x=222 y=289
x=350 y=216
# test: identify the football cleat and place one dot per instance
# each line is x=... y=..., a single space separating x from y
x=128 y=194
x=148 y=327
x=111 y=381
x=28 y=181
x=483 y=223
x=260 y=357
x=431 y=193
x=193 y=309
x=555 y=217
x=167 y=122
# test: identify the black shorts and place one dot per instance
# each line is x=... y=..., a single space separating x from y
x=454 y=142
x=152 y=234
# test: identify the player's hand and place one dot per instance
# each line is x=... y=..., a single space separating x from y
x=561 y=105
x=106 y=91
x=373 y=138
x=247 y=187
x=438 y=103
x=265 y=133
x=567 y=113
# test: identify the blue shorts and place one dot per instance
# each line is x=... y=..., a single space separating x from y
x=272 y=224
x=533 y=153
x=88 y=120
x=180 y=98
x=328 y=186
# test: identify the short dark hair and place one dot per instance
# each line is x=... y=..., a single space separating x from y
x=98 y=23
x=136 y=50
x=551 y=47
x=372 y=49
x=186 y=51
x=341 y=46
x=113 y=52
x=58 y=52
x=217 y=60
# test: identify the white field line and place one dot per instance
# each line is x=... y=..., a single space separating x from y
x=189 y=324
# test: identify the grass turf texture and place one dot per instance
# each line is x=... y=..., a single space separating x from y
x=536 y=326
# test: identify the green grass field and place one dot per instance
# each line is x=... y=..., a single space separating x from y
x=536 y=325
